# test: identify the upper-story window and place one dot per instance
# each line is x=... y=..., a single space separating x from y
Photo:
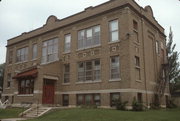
x=114 y=30
x=157 y=47
x=34 y=51
x=10 y=57
x=67 y=43
x=135 y=25
x=50 y=51
x=89 y=37
x=22 y=55
x=115 y=71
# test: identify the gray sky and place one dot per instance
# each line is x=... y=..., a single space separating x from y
x=18 y=16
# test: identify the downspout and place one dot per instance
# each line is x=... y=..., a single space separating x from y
x=142 y=25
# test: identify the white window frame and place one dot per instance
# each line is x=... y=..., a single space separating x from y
x=34 y=51
x=50 y=48
x=22 y=55
x=86 y=41
x=118 y=78
x=113 y=31
x=67 y=43
x=93 y=70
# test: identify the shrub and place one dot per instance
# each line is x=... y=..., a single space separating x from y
x=137 y=106
x=121 y=105
x=170 y=104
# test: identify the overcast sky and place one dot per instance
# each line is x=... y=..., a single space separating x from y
x=18 y=16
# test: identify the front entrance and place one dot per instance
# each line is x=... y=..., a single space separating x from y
x=48 y=91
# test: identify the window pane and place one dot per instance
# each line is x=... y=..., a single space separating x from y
x=114 y=25
x=50 y=50
x=67 y=43
x=115 y=72
x=114 y=36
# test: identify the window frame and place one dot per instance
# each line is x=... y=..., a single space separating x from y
x=83 y=70
x=22 y=89
x=112 y=103
x=22 y=54
x=34 y=51
x=50 y=51
x=119 y=71
x=66 y=73
x=67 y=49
x=113 y=31
x=65 y=102
x=82 y=42
x=93 y=101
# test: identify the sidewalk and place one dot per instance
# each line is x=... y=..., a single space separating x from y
x=13 y=119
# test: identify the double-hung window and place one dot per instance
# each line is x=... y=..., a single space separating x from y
x=50 y=51
x=89 y=37
x=137 y=68
x=34 y=51
x=89 y=71
x=66 y=73
x=22 y=54
x=114 y=30
x=115 y=71
x=67 y=43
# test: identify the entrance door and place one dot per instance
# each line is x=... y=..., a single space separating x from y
x=48 y=92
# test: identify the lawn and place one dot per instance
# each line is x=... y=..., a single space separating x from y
x=110 y=115
x=10 y=112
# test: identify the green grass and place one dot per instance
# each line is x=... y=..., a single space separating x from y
x=10 y=112
x=110 y=115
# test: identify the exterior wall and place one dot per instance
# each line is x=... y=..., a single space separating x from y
x=126 y=48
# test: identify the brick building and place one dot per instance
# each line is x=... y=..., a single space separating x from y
x=113 y=50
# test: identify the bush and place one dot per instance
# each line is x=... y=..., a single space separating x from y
x=121 y=105
x=137 y=106
x=170 y=104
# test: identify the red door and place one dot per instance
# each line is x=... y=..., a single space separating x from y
x=48 y=92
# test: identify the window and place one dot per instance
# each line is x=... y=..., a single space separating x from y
x=139 y=97
x=88 y=99
x=114 y=97
x=89 y=71
x=135 y=35
x=138 y=73
x=65 y=100
x=26 y=86
x=157 y=47
x=135 y=25
x=50 y=51
x=137 y=68
x=10 y=56
x=89 y=37
x=66 y=73
x=115 y=72
x=34 y=51
x=114 y=30
x=9 y=78
x=67 y=43
x=22 y=54
x=137 y=61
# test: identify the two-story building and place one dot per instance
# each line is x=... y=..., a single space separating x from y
x=115 y=50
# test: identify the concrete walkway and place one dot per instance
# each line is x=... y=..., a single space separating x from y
x=13 y=119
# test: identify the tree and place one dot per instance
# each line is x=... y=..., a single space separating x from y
x=2 y=66
x=173 y=64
